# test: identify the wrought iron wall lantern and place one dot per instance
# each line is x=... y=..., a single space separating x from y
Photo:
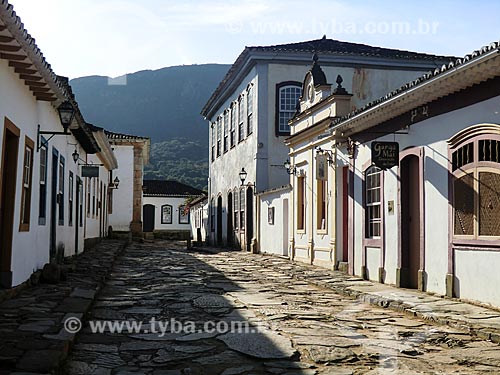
x=66 y=116
x=114 y=184
x=290 y=169
x=328 y=153
x=243 y=176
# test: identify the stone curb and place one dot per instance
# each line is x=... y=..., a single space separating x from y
x=482 y=332
x=75 y=302
x=341 y=286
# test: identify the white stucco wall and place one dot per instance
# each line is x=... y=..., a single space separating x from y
x=274 y=237
x=30 y=249
x=200 y=210
x=121 y=216
x=175 y=202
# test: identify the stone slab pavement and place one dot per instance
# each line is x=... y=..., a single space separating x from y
x=481 y=321
x=197 y=312
x=32 y=336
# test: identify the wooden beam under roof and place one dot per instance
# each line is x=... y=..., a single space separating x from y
x=26 y=71
x=39 y=89
x=35 y=84
x=29 y=77
x=45 y=97
x=9 y=48
x=18 y=64
x=11 y=56
x=6 y=39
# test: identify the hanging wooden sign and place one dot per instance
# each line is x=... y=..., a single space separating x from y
x=90 y=171
x=385 y=155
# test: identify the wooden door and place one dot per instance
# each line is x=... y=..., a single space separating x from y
x=7 y=200
x=148 y=215
x=410 y=221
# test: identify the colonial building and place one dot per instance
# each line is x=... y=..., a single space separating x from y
x=312 y=167
x=44 y=139
x=423 y=181
x=166 y=208
x=132 y=153
x=249 y=111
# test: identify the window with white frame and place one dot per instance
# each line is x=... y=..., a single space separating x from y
x=287 y=97
x=212 y=138
x=42 y=203
x=241 y=119
x=249 y=111
x=226 y=130
x=166 y=214
x=476 y=188
x=70 y=199
x=26 y=192
x=232 y=137
x=219 y=135
x=373 y=198
x=61 y=190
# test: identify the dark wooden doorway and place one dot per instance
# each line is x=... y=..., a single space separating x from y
x=410 y=221
x=148 y=217
x=229 y=216
x=219 y=221
x=249 y=219
x=7 y=200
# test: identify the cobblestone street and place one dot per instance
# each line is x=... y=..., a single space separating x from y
x=303 y=329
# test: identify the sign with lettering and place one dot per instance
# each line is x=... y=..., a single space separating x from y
x=321 y=167
x=385 y=155
x=90 y=171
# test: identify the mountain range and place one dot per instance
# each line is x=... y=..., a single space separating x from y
x=162 y=104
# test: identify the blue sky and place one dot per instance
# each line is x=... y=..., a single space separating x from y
x=115 y=37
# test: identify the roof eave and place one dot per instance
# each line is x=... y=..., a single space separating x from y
x=422 y=93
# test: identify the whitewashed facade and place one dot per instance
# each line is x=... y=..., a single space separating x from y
x=272 y=230
x=249 y=111
x=199 y=220
x=41 y=187
x=435 y=223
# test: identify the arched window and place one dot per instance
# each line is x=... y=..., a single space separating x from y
x=287 y=96
x=166 y=214
x=373 y=199
x=475 y=169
